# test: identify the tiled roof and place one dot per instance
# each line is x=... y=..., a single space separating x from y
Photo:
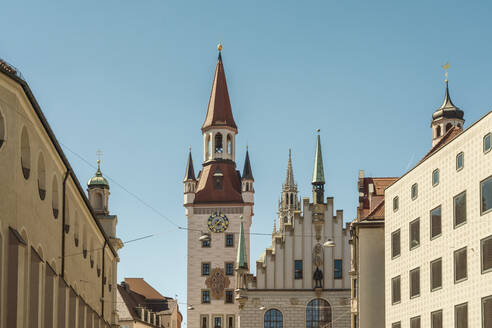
x=446 y=138
x=377 y=213
x=373 y=208
x=231 y=184
x=219 y=112
x=139 y=285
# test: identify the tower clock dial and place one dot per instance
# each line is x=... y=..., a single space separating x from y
x=218 y=222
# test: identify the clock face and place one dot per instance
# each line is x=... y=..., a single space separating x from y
x=218 y=222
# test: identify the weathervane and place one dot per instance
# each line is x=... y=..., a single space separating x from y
x=445 y=67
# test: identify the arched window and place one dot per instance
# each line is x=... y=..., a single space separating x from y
x=99 y=201
x=318 y=314
x=459 y=125
x=274 y=319
x=229 y=144
x=2 y=130
x=41 y=177
x=219 y=148
x=448 y=126
x=25 y=154
x=208 y=147
x=287 y=199
x=438 y=131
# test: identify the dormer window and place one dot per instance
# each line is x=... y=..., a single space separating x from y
x=218 y=177
x=219 y=148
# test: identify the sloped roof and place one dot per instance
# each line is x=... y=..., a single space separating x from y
x=446 y=138
x=139 y=285
x=247 y=172
x=190 y=171
x=231 y=184
x=219 y=112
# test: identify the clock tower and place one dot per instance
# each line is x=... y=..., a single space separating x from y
x=217 y=201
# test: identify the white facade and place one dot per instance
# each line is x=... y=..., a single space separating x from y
x=473 y=289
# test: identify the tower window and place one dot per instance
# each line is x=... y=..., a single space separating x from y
x=436 y=274
x=415 y=322
x=205 y=296
x=291 y=199
x=218 y=177
x=229 y=296
x=298 y=269
x=229 y=240
x=229 y=269
x=219 y=148
x=438 y=131
x=436 y=319
x=206 y=269
x=229 y=144
x=395 y=243
x=448 y=127
x=461 y=315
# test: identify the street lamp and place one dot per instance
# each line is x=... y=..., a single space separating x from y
x=329 y=243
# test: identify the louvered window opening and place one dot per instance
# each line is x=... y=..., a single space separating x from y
x=461 y=316
x=460 y=265
x=436 y=274
x=395 y=243
x=436 y=218
x=415 y=282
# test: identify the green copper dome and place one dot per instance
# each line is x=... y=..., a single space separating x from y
x=98 y=180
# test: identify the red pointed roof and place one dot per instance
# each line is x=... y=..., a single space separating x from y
x=231 y=184
x=219 y=113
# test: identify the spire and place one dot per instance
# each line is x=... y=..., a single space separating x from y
x=219 y=111
x=242 y=259
x=247 y=172
x=318 y=173
x=289 y=179
x=190 y=171
x=448 y=109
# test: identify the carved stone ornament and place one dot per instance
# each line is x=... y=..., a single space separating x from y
x=217 y=282
x=318 y=255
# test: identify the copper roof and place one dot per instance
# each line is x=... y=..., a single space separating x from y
x=231 y=184
x=447 y=109
x=219 y=113
x=139 y=285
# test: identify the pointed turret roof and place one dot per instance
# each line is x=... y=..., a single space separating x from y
x=190 y=171
x=447 y=109
x=219 y=111
x=289 y=179
x=242 y=258
x=318 y=173
x=247 y=172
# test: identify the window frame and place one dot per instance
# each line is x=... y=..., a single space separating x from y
x=431 y=221
x=438 y=177
x=482 y=212
x=225 y=239
x=482 y=306
x=410 y=234
x=209 y=267
x=202 y=293
x=393 y=302
x=396 y=324
x=482 y=242
x=414 y=318
x=462 y=161
x=485 y=151
x=431 y=278
x=435 y=312
x=296 y=277
x=456 y=281
x=455 y=226
x=396 y=201
x=414 y=189
x=207 y=243
x=455 y=314
x=225 y=296
x=273 y=323
x=417 y=269
x=225 y=268
x=335 y=269
x=392 y=249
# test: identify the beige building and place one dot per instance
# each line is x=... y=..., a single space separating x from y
x=367 y=253
x=302 y=278
x=58 y=254
x=140 y=305
x=216 y=203
x=438 y=230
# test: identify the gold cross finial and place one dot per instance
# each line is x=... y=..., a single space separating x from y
x=219 y=46
x=99 y=154
x=445 y=67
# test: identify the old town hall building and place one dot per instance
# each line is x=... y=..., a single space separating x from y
x=301 y=279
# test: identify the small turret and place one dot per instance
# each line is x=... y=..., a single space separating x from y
x=247 y=180
x=289 y=200
x=189 y=181
x=318 y=174
x=98 y=190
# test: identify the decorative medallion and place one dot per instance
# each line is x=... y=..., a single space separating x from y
x=217 y=282
x=218 y=222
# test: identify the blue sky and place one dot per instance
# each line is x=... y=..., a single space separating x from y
x=133 y=79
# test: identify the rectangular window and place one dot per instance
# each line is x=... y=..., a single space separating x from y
x=460 y=265
x=230 y=321
x=486 y=195
x=436 y=274
x=396 y=324
x=414 y=191
x=298 y=269
x=395 y=244
x=204 y=321
x=415 y=282
x=486 y=143
x=461 y=315
x=206 y=243
x=415 y=322
x=229 y=296
x=395 y=204
x=229 y=268
x=460 y=161
x=487 y=312
x=206 y=269
x=435 y=177
x=205 y=296
x=217 y=322
x=460 y=209
x=486 y=246
x=436 y=319
x=435 y=224
x=414 y=234
x=395 y=290
x=356 y=321
x=229 y=240
x=337 y=269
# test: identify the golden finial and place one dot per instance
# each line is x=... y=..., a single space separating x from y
x=99 y=154
x=189 y=148
x=318 y=130
x=219 y=46
x=445 y=67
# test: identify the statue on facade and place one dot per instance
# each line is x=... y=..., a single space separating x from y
x=318 y=278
